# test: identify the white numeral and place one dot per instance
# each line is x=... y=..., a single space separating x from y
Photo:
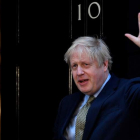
x=99 y=9
x=89 y=13
x=79 y=12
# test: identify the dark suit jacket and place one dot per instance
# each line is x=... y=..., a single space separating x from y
x=113 y=115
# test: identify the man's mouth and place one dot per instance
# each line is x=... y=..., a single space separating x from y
x=83 y=81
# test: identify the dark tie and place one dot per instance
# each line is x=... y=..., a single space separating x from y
x=81 y=119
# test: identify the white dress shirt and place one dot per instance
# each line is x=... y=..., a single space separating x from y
x=70 y=130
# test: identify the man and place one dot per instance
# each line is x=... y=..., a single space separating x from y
x=114 y=111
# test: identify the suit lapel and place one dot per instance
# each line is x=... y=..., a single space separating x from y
x=97 y=104
x=74 y=101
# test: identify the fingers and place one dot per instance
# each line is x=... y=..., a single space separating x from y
x=134 y=39
x=131 y=37
x=139 y=22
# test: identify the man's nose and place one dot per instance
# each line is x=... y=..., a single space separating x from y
x=80 y=71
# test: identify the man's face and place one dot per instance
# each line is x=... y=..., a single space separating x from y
x=88 y=76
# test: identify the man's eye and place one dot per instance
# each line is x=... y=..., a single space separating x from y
x=86 y=65
x=74 y=66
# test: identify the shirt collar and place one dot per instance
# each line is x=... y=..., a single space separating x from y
x=98 y=92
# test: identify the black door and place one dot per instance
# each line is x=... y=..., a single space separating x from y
x=35 y=36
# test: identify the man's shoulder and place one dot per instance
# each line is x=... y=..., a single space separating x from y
x=132 y=84
x=73 y=96
x=124 y=79
x=124 y=82
x=135 y=80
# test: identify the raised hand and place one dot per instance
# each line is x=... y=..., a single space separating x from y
x=134 y=39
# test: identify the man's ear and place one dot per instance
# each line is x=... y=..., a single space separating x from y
x=105 y=65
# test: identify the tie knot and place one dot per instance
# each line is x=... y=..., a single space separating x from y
x=90 y=99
